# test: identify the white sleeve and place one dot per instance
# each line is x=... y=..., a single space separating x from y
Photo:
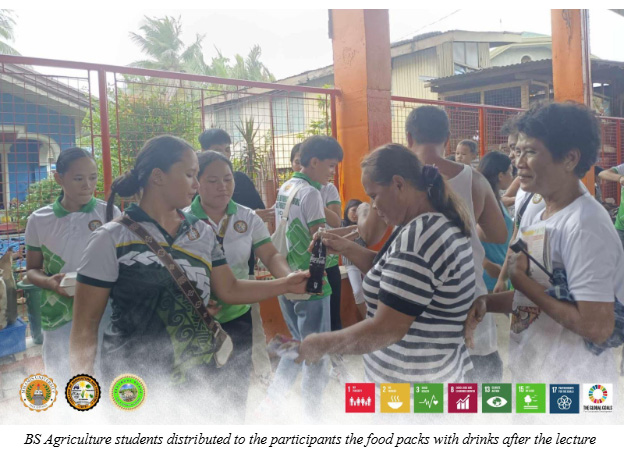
x=260 y=233
x=620 y=168
x=311 y=205
x=589 y=262
x=98 y=266
x=31 y=237
x=331 y=195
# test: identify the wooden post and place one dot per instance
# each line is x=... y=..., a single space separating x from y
x=571 y=63
x=362 y=72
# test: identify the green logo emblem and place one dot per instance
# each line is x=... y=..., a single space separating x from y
x=128 y=392
x=428 y=398
x=531 y=398
x=497 y=398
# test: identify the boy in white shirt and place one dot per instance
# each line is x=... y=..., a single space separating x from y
x=319 y=156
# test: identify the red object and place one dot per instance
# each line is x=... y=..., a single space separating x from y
x=461 y=398
x=360 y=397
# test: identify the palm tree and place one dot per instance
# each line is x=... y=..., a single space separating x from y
x=255 y=69
x=6 y=32
x=160 y=40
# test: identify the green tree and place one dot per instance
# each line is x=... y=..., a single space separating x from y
x=160 y=40
x=140 y=118
x=6 y=32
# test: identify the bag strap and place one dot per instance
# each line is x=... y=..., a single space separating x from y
x=519 y=214
x=176 y=272
x=287 y=207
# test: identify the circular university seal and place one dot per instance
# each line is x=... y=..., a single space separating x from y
x=240 y=227
x=38 y=392
x=82 y=392
x=94 y=224
x=193 y=234
x=537 y=198
x=128 y=392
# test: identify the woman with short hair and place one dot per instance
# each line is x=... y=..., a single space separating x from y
x=559 y=329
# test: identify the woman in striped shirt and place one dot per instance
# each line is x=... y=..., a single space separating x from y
x=418 y=288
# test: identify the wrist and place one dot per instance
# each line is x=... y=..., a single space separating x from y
x=517 y=278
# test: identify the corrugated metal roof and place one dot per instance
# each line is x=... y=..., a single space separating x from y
x=528 y=66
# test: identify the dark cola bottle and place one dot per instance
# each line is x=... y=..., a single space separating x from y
x=317 y=267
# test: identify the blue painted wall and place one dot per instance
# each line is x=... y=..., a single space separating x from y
x=23 y=159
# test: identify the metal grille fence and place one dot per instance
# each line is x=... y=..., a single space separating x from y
x=483 y=123
x=113 y=110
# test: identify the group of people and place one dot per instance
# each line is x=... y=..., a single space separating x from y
x=427 y=296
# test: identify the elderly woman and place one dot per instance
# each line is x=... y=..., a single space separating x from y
x=558 y=337
x=419 y=288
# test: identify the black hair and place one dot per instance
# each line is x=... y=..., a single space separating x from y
x=491 y=165
x=563 y=127
x=509 y=127
x=67 y=157
x=160 y=152
x=295 y=151
x=351 y=203
x=428 y=125
x=395 y=159
x=471 y=144
x=208 y=157
x=320 y=147
x=213 y=136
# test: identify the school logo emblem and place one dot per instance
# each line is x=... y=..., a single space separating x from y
x=240 y=227
x=193 y=234
x=128 y=392
x=94 y=224
x=82 y=392
x=537 y=199
x=38 y=392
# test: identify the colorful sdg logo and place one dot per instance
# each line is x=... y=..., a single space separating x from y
x=597 y=394
x=38 y=392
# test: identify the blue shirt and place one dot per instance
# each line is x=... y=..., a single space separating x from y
x=496 y=252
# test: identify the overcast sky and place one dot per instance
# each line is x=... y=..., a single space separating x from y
x=292 y=41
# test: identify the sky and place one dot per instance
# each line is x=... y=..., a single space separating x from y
x=292 y=41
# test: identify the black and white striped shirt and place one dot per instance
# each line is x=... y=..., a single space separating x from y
x=426 y=272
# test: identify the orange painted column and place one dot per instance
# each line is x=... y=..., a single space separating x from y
x=362 y=72
x=571 y=63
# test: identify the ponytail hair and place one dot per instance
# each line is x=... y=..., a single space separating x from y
x=395 y=159
x=67 y=157
x=160 y=152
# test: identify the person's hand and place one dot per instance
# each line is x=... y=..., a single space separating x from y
x=501 y=286
x=474 y=317
x=335 y=244
x=54 y=284
x=622 y=180
x=311 y=349
x=213 y=307
x=267 y=215
x=518 y=265
x=296 y=282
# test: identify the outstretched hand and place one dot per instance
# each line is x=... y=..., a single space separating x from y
x=335 y=244
x=296 y=282
x=474 y=317
x=311 y=349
